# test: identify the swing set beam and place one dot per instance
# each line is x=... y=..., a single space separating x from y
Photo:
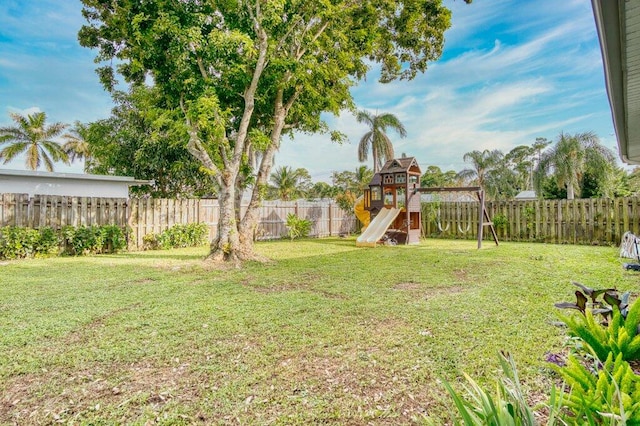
x=483 y=214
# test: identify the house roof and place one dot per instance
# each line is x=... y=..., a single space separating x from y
x=75 y=176
x=618 y=25
x=526 y=195
x=404 y=164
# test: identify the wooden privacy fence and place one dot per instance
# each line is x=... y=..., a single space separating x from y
x=56 y=211
x=584 y=221
x=146 y=215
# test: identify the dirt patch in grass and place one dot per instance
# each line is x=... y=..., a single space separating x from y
x=128 y=390
x=145 y=281
x=409 y=286
x=461 y=275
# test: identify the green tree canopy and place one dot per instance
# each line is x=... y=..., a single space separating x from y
x=355 y=181
x=571 y=158
x=242 y=73
x=482 y=162
x=75 y=146
x=289 y=184
x=146 y=142
x=376 y=137
x=33 y=136
x=434 y=177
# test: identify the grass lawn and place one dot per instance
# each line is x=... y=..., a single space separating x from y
x=326 y=333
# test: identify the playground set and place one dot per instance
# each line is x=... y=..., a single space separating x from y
x=390 y=210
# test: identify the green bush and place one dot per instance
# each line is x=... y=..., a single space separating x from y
x=608 y=323
x=85 y=240
x=178 y=236
x=297 y=226
x=115 y=239
x=82 y=240
x=48 y=242
x=610 y=395
x=17 y=242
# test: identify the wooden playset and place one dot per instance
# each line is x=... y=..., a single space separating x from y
x=391 y=208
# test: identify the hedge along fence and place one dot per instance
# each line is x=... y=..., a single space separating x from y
x=584 y=221
x=144 y=216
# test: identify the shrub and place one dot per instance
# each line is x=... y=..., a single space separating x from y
x=500 y=221
x=618 y=329
x=298 y=227
x=82 y=240
x=610 y=395
x=17 y=242
x=48 y=242
x=115 y=239
x=189 y=235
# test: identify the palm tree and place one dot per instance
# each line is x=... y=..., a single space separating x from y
x=571 y=158
x=381 y=146
x=483 y=162
x=33 y=136
x=76 y=147
x=289 y=184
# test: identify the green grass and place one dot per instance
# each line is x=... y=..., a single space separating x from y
x=326 y=333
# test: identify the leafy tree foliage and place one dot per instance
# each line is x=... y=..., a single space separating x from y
x=33 y=136
x=75 y=146
x=376 y=138
x=289 y=184
x=354 y=181
x=434 y=177
x=240 y=74
x=147 y=142
x=571 y=158
x=482 y=163
x=322 y=190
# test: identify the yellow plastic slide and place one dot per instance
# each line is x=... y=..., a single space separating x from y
x=377 y=227
x=361 y=213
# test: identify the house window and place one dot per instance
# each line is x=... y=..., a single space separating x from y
x=376 y=193
x=401 y=178
x=388 y=197
x=413 y=179
x=388 y=179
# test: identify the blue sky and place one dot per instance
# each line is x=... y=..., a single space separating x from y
x=511 y=71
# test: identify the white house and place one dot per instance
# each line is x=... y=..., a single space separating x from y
x=68 y=184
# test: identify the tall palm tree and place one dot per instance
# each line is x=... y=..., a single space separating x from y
x=289 y=184
x=76 y=147
x=34 y=137
x=376 y=137
x=482 y=162
x=570 y=158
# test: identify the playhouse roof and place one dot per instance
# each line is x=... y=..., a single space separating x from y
x=404 y=164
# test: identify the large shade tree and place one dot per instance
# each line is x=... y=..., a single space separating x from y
x=376 y=137
x=243 y=73
x=571 y=158
x=34 y=137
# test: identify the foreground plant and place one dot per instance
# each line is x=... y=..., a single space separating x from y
x=507 y=407
x=617 y=331
x=610 y=395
